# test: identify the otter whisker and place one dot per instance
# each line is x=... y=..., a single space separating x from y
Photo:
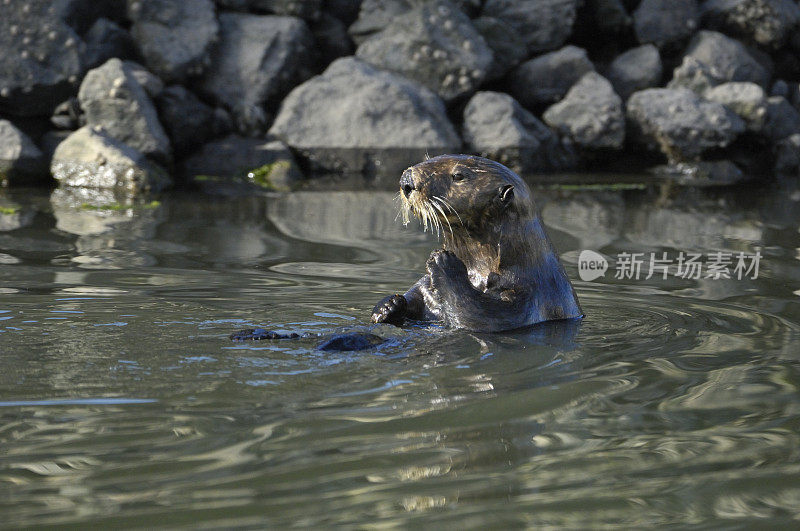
x=444 y=216
x=443 y=201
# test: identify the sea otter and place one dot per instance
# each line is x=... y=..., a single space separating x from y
x=497 y=269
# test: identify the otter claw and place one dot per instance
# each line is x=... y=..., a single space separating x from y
x=391 y=309
x=446 y=261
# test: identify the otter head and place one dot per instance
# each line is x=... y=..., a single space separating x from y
x=452 y=193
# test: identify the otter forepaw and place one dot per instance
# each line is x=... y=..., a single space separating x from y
x=391 y=309
x=446 y=262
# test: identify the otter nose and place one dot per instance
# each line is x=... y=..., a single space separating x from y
x=407 y=183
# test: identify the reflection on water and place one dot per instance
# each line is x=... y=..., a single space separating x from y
x=123 y=403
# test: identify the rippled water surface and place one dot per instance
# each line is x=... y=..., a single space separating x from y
x=124 y=404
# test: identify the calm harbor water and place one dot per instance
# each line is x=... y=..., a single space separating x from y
x=124 y=404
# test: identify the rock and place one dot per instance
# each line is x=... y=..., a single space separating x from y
x=151 y=84
x=188 y=121
x=49 y=143
x=702 y=173
x=270 y=162
x=634 y=70
x=375 y=15
x=344 y=10
x=681 y=124
x=695 y=75
x=173 y=36
x=608 y=16
x=746 y=99
x=665 y=22
x=332 y=38
x=544 y=25
x=305 y=9
x=92 y=158
x=497 y=127
x=434 y=45
x=112 y=98
x=727 y=58
x=106 y=40
x=68 y=115
x=768 y=23
x=507 y=47
x=780 y=88
x=258 y=59
x=590 y=114
x=40 y=63
x=782 y=120
x=545 y=79
x=787 y=155
x=21 y=162
x=380 y=122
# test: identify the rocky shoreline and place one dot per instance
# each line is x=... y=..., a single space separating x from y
x=135 y=95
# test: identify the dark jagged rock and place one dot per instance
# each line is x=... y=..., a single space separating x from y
x=590 y=114
x=435 y=45
x=332 y=38
x=787 y=155
x=665 y=22
x=173 y=36
x=680 y=124
x=92 y=158
x=271 y=162
x=728 y=59
x=258 y=59
x=344 y=10
x=380 y=123
x=113 y=99
x=306 y=9
x=508 y=47
x=376 y=15
x=188 y=121
x=608 y=16
x=544 y=25
x=105 y=40
x=68 y=115
x=40 y=57
x=498 y=127
x=637 y=69
x=547 y=78
x=746 y=99
x=150 y=82
x=783 y=120
x=768 y=23
x=21 y=162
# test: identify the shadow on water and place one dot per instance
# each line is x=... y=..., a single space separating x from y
x=124 y=404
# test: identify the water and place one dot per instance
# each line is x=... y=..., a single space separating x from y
x=123 y=403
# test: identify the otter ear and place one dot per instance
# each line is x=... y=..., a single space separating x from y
x=506 y=194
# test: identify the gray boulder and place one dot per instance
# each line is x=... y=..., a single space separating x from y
x=258 y=59
x=150 y=82
x=173 y=36
x=497 y=127
x=787 y=155
x=92 y=158
x=545 y=79
x=375 y=15
x=40 y=58
x=768 y=23
x=305 y=9
x=104 y=40
x=188 y=121
x=544 y=25
x=357 y=118
x=665 y=22
x=680 y=124
x=434 y=45
x=746 y=99
x=634 y=70
x=783 y=120
x=112 y=98
x=21 y=161
x=507 y=47
x=728 y=58
x=695 y=76
x=590 y=114
x=269 y=164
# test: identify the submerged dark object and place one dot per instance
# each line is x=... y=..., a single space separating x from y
x=334 y=343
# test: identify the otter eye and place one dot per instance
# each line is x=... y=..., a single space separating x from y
x=458 y=176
